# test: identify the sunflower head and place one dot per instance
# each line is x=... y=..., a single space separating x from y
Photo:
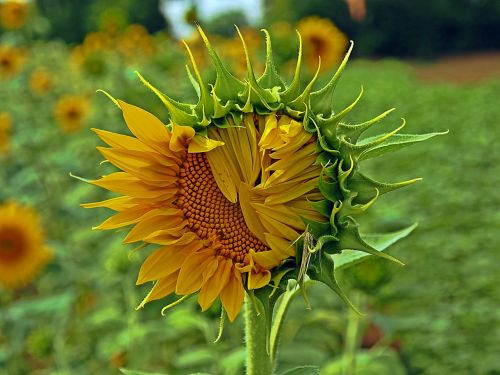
x=256 y=183
x=40 y=81
x=71 y=112
x=5 y=125
x=11 y=61
x=322 y=38
x=13 y=14
x=22 y=245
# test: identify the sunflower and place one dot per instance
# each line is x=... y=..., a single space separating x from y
x=71 y=112
x=40 y=81
x=22 y=245
x=13 y=14
x=135 y=42
x=322 y=38
x=237 y=189
x=11 y=60
x=5 y=125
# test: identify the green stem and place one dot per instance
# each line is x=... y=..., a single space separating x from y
x=258 y=359
x=352 y=337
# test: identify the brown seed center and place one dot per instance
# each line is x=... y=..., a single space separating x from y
x=210 y=215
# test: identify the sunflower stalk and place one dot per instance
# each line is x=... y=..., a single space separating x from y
x=259 y=361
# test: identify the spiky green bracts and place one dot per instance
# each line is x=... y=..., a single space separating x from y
x=347 y=192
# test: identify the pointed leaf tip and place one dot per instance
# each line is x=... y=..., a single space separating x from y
x=322 y=100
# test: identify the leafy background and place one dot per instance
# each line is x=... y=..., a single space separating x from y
x=437 y=315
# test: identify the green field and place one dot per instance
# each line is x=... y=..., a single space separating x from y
x=440 y=310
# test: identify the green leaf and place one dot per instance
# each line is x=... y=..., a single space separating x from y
x=302 y=370
x=380 y=242
x=394 y=143
x=35 y=307
x=135 y=372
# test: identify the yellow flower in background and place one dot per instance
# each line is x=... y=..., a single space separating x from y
x=22 y=245
x=226 y=209
x=135 y=42
x=13 y=14
x=40 y=81
x=322 y=38
x=5 y=125
x=11 y=61
x=71 y=112
x=232 y=49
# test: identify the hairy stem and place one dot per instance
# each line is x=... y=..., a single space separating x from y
x=258 y=357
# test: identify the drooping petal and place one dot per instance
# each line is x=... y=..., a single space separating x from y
x=233 y=294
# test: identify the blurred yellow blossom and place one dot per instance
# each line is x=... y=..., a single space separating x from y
x=13 y=14
x=40 y=81
x=5 y=125
x=22 y=245
x=322 y=38
x=11 y=60
x=71 y=112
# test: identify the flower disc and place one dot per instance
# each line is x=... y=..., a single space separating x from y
x=22 y=248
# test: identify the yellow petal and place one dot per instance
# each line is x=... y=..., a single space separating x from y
x=115 y=204
x=203 y=144
x=223 y=174
x=165 y=261
x=191 y=275
x=252 y=221
x=232 y=295
x=267 y=259
x=121 y=141
x=181 y=136
x=213 y=286
x=162 y=288
x=145 y=126
x=124 y=218
x=258 y=279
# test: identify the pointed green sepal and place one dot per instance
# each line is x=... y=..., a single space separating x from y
x=395 y=143
x=193 y=81
x=329 y=190
x=205 y=103
x=257 y=94
x=367 y=145
x=317 y=228
x=349 y=239
x=180 y=113
x=299 y=101
x=379 y=241
x=293 y=90
x=365 y=186
x=355 y=130
x=322 y=100
x=270 y=79
x=325 y=273
x=226 y=86
x=324 y=207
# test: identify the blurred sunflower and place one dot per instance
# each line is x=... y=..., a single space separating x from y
x=40 y=81
x=71 y=112
x=135 y=42
x=5 y=125
x=11 y=60
x=22 y=245
x=232 y=49
x=13 y=14
x=322 y=38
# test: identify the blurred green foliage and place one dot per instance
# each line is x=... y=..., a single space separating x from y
x=405 y=28
x=437 y=315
